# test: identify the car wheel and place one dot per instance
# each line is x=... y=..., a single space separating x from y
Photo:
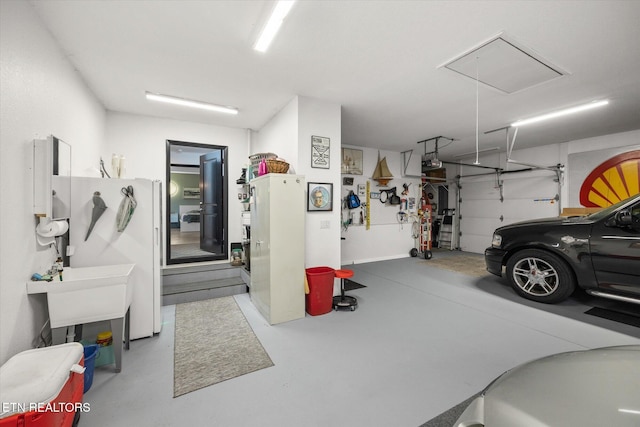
x=540 y=276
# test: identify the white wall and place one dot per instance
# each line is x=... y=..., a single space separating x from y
x=142 y=140
x=387 y=238
x=41 y=95
x=280 y=135
x=321 y=118
x=288 y=134
x=601 y=149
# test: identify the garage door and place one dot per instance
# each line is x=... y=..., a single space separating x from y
x=526 y=195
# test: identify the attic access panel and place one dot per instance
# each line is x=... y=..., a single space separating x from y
x=503 y=65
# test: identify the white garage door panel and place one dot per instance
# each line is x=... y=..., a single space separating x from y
x=479 y=208
x=523 y=209
x=480 y=190
x=531 y=187
x=475 y=231
x=525 y=195
x=475 y=244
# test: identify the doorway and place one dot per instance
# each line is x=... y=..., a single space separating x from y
x=196 y=229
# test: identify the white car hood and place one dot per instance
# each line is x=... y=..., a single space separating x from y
x=598 y=387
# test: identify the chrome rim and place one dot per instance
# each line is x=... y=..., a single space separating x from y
x=535 y=277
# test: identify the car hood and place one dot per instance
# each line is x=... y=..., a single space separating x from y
x=596 y=387
x=548 y=222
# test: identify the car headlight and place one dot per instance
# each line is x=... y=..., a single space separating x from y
x=497 y=240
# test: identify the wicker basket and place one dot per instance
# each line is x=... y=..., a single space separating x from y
x=257 y=158
x=277 y=166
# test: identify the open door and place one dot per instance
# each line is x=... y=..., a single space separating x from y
x=212 y=233
x=196 y=208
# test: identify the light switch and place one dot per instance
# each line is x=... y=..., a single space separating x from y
x=325 y=224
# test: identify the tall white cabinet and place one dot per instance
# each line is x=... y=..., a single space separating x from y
x=277 y=246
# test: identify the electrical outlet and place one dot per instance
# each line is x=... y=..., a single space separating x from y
x=325 y=224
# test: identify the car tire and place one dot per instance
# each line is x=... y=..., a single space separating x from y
x=540 y=276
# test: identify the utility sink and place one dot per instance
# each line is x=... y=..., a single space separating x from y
x=87 y=294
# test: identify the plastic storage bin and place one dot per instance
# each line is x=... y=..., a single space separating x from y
x=319 y=300
x=105 y=355
x=42 y=387
x=90 y=353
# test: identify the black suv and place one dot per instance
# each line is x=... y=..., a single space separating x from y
x=546 y=258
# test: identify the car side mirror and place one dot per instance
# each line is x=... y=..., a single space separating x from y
x=623 y=218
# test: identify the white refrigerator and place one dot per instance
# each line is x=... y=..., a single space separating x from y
x=139 y=242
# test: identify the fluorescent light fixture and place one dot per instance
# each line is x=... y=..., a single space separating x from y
x=280 y=11
x=190 y=103
x=560 y=113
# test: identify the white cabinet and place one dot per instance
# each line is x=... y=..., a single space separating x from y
x=277 y=246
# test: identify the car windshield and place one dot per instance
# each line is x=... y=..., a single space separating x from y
x=608 y=210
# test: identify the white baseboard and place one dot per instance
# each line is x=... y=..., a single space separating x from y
x=365 y=260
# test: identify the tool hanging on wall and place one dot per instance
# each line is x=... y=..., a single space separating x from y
x=368 y=209
x=126 y=209
x=99 y=206
x=389 y=196
x=353 y=201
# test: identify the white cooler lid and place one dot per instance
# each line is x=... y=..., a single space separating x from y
x=36 y=376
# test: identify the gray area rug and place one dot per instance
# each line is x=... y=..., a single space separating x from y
x=213 y=343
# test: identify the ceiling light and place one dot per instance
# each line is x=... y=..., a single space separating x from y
x=190 y=103
x=565 y=112
x=280 y=11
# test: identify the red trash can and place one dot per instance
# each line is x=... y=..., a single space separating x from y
x=319 y=300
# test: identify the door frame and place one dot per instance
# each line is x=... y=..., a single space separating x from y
x=225 y=200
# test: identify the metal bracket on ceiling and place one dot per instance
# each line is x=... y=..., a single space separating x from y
x=510 y=146
x=436 y=139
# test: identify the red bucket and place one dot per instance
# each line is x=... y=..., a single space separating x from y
x=319 y=300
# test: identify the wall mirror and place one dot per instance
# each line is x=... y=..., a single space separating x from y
x=52 y=178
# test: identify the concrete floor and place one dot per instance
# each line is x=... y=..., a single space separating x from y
x=421 y=341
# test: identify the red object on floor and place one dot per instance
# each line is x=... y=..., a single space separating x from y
x=343 y=301
x=344 y=274
x=319 y=300
x=39 y=389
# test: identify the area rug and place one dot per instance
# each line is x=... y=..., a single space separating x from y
x=469 y=265
x=350 y=285
x=213 y=343
x=616 y=316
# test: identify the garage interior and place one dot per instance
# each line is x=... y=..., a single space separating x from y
x=423 y=340
x=435 y=88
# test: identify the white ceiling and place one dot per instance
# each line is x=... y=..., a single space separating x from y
x=380 y=60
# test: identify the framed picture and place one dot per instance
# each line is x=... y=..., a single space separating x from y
x=319 y=196
x=191 y=193
x=320 y=152
x=351 y=161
